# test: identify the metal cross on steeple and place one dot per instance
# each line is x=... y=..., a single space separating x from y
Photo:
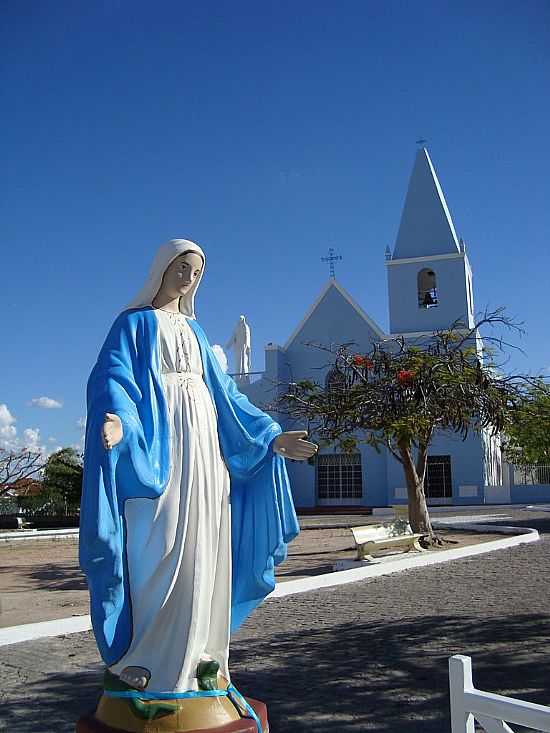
x=331 y=259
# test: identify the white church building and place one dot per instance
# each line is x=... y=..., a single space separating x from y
x=429 y=287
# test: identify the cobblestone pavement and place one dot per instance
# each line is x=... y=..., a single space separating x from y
x=368 y=656
x=41 y=580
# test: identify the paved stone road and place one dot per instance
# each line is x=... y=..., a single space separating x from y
x=40 y=580
x=369 y=656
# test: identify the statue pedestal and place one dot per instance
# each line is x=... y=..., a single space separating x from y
x=90 y=724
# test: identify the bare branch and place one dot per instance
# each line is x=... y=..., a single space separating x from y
x=18 y=465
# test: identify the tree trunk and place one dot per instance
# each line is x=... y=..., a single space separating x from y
x=419 y=518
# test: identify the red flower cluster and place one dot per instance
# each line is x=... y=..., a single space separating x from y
x=405 y=377
x=362 y=361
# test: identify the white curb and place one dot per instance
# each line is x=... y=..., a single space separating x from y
x=74 y=624
x=449 y=508
x=39 y=534
x=43 y=629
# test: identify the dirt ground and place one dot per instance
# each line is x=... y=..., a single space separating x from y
x=40 y=580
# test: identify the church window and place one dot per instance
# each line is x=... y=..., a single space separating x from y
x=427 y=289
x=339 y=476
x=335 y=380
x=438 y=478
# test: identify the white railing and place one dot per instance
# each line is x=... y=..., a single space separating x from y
x=529 y=475
x=492 y=712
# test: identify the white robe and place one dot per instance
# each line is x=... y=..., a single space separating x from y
x=179 y=545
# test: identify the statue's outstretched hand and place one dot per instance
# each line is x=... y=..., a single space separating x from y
x=292 y=445
x=111 y=432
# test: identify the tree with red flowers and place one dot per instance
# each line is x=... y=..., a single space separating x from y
x=402 y=391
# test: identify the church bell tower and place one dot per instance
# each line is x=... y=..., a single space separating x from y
x=429 y=275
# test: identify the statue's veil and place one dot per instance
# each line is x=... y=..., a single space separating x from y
x=166 y=253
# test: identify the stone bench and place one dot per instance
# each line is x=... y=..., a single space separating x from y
x=374 y=537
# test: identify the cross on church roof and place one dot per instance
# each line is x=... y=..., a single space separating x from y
x=331 y=259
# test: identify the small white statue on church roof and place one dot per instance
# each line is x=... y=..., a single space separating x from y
x=240 y=343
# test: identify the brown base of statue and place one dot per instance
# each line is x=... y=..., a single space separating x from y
x=90 y=724
x=191 y=715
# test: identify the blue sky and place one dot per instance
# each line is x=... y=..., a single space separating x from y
x=267 y=132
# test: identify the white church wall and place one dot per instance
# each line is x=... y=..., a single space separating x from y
x=466 y=469
x=530 y=494
x=375 y=478
x=264 y=392
x=405 y=313
x=373 y=468
x=302 y=480
x=276 y=364
x=333 y=322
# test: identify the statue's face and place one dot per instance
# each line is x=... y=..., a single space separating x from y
x=181 y=273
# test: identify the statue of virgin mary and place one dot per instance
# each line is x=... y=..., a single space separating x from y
x=186 y=506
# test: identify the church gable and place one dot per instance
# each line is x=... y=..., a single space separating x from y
x=335 y=318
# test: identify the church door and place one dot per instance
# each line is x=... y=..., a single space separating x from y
x=339 y=479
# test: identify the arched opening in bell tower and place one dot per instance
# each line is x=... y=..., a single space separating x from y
x=427 y=288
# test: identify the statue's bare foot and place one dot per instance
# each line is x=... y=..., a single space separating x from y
x=137 y=677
